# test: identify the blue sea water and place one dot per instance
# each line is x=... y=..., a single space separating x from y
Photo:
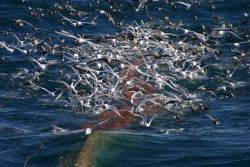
x=26 y=116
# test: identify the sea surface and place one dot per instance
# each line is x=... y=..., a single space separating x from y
x=27 y=116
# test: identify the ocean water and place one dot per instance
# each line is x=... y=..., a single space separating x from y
x=27 y=116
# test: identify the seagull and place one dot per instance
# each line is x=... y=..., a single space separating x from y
x=76 y=22
x=146 y=98
x=216 y=121
x=22 y=22
x=8 y=47
x=230 y=75
x=71 y=21
x=105 y=107
x=202 y=38
x=57 y=129
x=3 y=45
x=42 y=88
x=88 y=131
x=108 y=15
x=42 y=66
x=21 y=43
x=71 y=87
x=78 y=39
x=144 y=118
x=187 y=5
x=222 y=32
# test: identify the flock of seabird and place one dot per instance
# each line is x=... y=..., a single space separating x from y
x=151 y=69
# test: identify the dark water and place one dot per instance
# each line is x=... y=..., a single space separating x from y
x=26 y=116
